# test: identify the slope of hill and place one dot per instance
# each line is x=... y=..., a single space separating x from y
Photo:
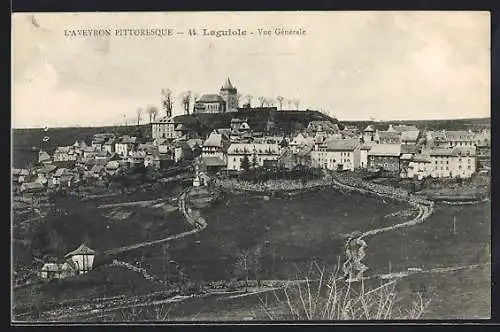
x=267 y=119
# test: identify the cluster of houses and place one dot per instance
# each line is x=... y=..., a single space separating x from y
x=105 y=155
x=401 y=150
x=76 y=262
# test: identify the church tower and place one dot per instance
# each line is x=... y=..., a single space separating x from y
x=230 y=96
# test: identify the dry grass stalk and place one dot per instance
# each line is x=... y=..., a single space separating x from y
x=335 y=299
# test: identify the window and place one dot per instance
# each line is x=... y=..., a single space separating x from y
x=447 y=168
x=459 y=166
x=468 y=167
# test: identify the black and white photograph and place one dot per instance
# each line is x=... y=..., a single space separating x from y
x=187 y=167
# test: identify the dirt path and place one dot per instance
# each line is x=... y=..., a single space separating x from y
x=353 y=264
x=198 y=223
x=136 y=203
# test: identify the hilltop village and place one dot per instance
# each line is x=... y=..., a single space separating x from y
x=250 y=156
x=402 y=151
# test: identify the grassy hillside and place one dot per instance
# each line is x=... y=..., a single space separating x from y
x=281 y=121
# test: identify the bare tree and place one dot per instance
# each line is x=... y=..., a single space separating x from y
x=249 y=100
x=186 y=101
x=296 y=102
x=280 y=100
x=139 y=115
x=151 y=110
x=238 y=98
x=289 y=102
x=257 y=264
x=155 y=113
x=262 y=101
x=166 y=102
x=242 y=266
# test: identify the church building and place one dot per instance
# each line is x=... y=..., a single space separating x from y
x=225 y=101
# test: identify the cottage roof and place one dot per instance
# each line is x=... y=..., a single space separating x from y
x=50 y=267
x=421 y=158
x=213 y=161
x=213 y=140
x=409 y=148
x=409 y=135
x=390 y=150
x=60 y=171
x=306 y=150
x=388 y=135
x=210 y=98
x=33 y=185
x=47 y=169
x=342 y=144
x=43 y=156
x=406 y=156
x=367 y=145
x=81 y=250
x=369 y=128
x=68 y=265
x=125 y=139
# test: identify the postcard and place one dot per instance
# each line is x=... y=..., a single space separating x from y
x=250 y=166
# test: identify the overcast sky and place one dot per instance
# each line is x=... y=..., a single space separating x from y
x=353 y=65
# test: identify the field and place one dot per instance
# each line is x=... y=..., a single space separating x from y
x=290 y=232
x=294 y=232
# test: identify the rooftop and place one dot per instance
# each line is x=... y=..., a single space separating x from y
x=81 y=250
x=421 y=158
x=228 y=85
x=210 y=98
x=342 y=144
x=410 y=135
x=213 y=161
x=392 y=150
x=214 y=140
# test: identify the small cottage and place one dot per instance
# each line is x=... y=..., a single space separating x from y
x=83 y=257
